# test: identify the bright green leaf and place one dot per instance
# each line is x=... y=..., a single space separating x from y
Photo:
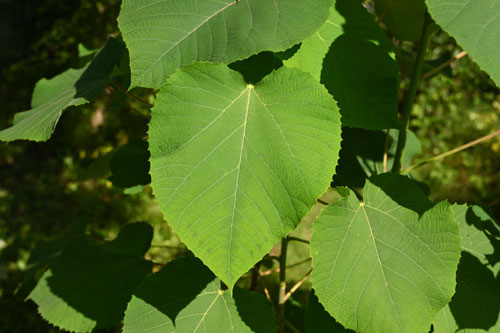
x=235 y=166
x=475 y=306
x=89 y=284
x=476 y=27
x=403 y=18
x=52 y=97
x=386 y=264
x=360 y=71
x=186 y=297
x=310 y=56
x=165 y=35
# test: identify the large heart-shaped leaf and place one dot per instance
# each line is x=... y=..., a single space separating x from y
x=235 y=166
x=51 y=97
x=185 y=297
x=164 y=35
x=476 y=27
x=386 y=264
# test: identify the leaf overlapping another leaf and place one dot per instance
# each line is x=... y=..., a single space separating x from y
x=386 y=264
x=235 y=167
x=165 y=35
x=52 y=97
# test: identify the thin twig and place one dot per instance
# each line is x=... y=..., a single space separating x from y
x=282 y=288
x=297 y=285
x=113 y=93
x=290 y=326
x=275 y=270
x=297 y=239
x=266 y=292
x=126 y=92
x=451 y=152
x=386 y=150
x=383 y=13
x=255 y=276
x=443 y=65
x=493 y=203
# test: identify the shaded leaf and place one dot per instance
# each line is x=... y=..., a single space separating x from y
x=89 y=284
x=318 y=320
x=165 y=35
x=257 y=66
x=387 y=263
x=475 y=306
x=186 y=297
x=360 y=71
x=235 y=167
x=403 y=18
x=362 y=154
x=476 y=27
x=130 y=166
x=52 y=97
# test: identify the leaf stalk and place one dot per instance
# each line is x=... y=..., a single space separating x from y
x=412 y=91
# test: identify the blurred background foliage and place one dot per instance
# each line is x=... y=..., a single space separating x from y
x=44 y=187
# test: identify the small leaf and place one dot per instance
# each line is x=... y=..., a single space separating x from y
x=235 y=167
x=476 y=27
x=52 y=97
x=386 y=264
x=475 y=306
x=186 y=297
x=403 y=18
x=360 y=71
x=89 y=284
x=165 y=35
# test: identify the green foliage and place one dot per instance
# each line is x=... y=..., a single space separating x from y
x=186 y=297
x=89 y=284
x=244 y=138
x=386 y=263
x=264 y=142
x=475 y=25
x=51 y=97
x=216 y=31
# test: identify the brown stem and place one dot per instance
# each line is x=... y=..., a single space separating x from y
x=386 y=150
x=271 y=271
x=282 y=289
x=297 y=285
x=383 y=12
x=297 y=239
x=126 y=92
x=255 y=276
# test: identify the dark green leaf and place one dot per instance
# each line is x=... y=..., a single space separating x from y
x=403 y=18
x=89 y=284
x=52 y=97
x=130 y=165
x=318 y=320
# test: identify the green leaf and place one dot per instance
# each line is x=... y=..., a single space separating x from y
x=186 y=297
x=130 y=165
x=45 y=253
x=310 y=56
x=475 y=306
x=235 y=166
x=476 y=27
x=403 y=18
x=52 y=97
x=89 y=284
x=360 y=71
x=386 y=264
x=165 y=35
x=257 y=66
x=362 y=154
x=318 y=320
